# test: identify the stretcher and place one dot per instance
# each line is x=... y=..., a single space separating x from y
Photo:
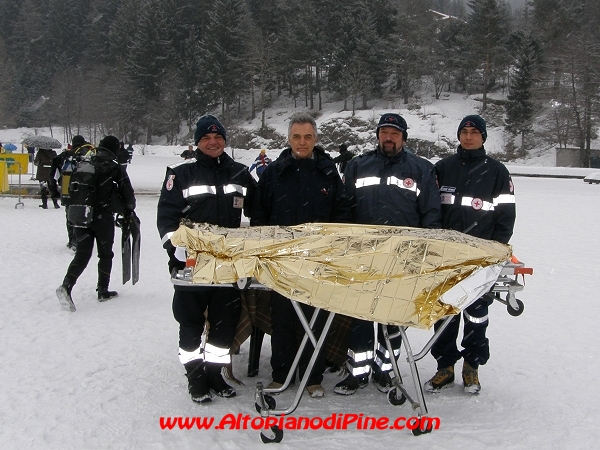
x=494 y=277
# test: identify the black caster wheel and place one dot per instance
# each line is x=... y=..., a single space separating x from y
x=419 y=431
x=270 y=401
x=393 y=398
x=518 y=311
x=272 y=435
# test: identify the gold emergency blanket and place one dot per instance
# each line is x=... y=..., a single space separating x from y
x=393 y=275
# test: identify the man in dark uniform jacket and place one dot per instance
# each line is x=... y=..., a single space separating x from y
x=387 y=186
x=210 y=188
x=302 y=185
x=478 y=199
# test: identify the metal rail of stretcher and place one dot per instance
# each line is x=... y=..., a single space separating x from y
x=265 y=403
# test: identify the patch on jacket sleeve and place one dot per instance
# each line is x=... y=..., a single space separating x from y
x=169 y=183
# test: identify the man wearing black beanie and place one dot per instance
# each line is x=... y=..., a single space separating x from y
x=389 y=185
x=210 y=188
x=478 y=199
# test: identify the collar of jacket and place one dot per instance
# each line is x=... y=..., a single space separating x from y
x=322 y=159
x=470 y=154
x=221 y=161
x=105 y=154
x=397 y=157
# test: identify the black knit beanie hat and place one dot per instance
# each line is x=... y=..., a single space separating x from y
x=208 y=124
x=110 y=143
x=475 y=121
x=78 y=141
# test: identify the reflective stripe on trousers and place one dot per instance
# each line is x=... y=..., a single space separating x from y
x=217 y=355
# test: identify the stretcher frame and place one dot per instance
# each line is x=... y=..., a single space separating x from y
x=265 y=404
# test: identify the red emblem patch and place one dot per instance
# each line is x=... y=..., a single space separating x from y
x=477 y=203
x=169 y=183
x=408 y=183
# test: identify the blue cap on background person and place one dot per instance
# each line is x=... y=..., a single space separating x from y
x=393 y=120
x=208 y=124
x=475 y=121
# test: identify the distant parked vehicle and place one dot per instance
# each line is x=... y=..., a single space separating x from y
x=593 y=177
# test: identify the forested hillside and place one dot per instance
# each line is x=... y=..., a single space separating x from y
x=143 y=68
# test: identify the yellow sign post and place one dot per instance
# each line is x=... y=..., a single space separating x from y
x=4 y=186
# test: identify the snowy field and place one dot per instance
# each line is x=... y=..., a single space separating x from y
x=102 y=377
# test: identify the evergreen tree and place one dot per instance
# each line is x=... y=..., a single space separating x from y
x=411 y=50
x=224 y=47
x=520 y=107
x=489 y=28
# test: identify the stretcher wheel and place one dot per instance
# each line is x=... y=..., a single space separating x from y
x=269 y=400
x=516 y=312
x=393 y=398
x=418 y=431
x=272 y=435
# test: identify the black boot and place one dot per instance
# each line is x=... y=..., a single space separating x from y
x=64 y=297
x=56 y=205
x=44 y=204
x=197 y=382
x=216 y=382
x=104 y=294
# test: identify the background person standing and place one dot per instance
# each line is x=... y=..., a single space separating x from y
x=43 y=162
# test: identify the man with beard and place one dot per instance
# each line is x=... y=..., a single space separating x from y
x=387 y=186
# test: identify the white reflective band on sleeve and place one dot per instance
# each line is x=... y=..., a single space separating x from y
x=216 y=354
x=485 y=206
x=368 y=181
x=381 y=349
x=199 y=190
x=360 y=357
x=402 y=184
x=180 y=253
x=475 y=319
x=358 y=371
x=186 y=357
x=504 y=198
x=231 y=188
x=167 y=236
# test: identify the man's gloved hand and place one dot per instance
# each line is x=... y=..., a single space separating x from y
x=174 y=263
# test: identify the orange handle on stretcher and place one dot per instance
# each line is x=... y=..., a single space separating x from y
x=521 y=270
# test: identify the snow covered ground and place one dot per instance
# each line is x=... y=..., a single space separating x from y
x=103 y=376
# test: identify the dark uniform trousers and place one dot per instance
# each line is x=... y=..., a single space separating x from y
x=285 y=324
x=189 y=307
x=360 y=357
x=102 y=230
x=476 y=348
